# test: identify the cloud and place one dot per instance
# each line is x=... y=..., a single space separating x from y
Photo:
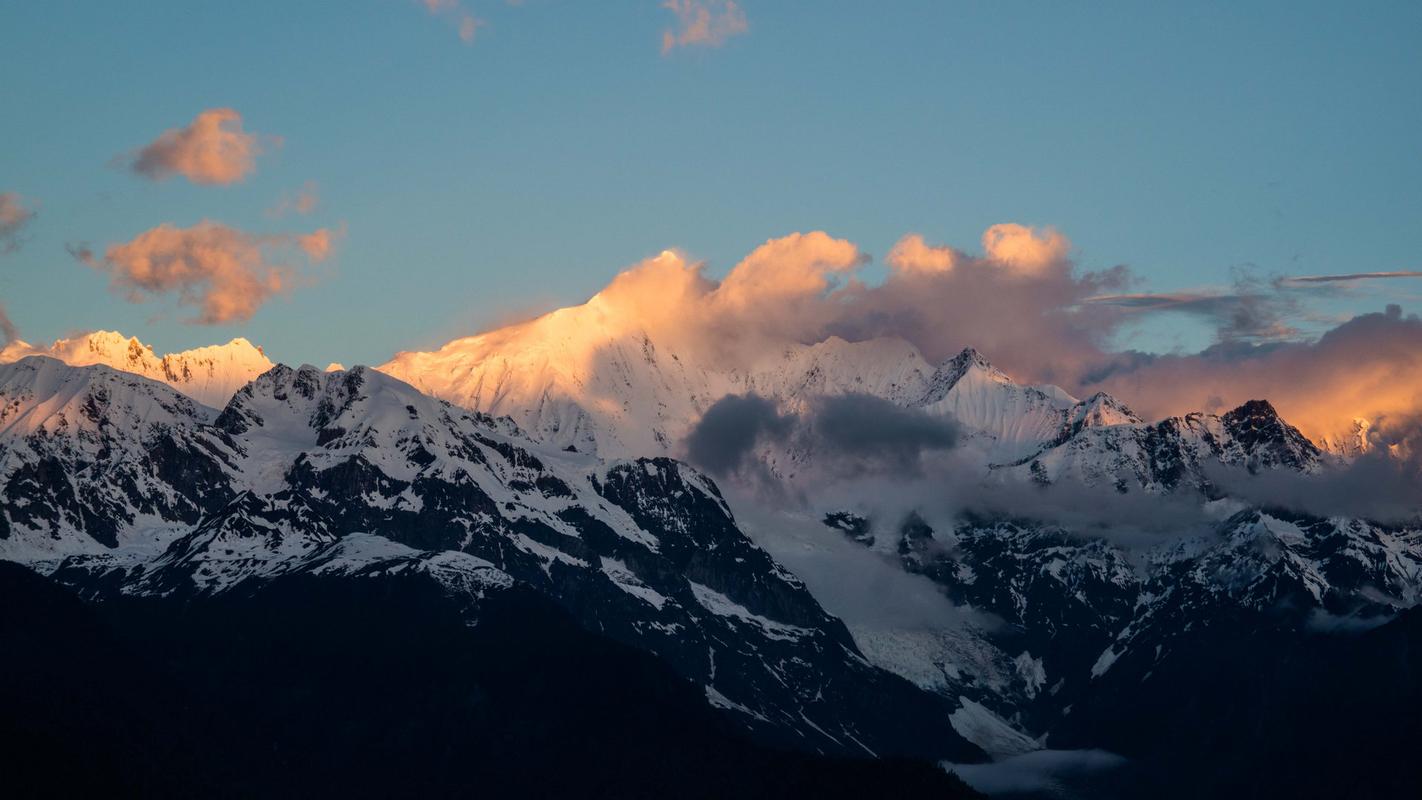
x=227 y=274
x=1024 y=249
x=302 y=202
x=703 y=23
x=1383 y=484
x=14 y=218
x=465 y=23
x=1349 y=277
x=874 y=434
x=1369 y=367
x=1249 y=313
x=7 y=328
x=728 y=432
x=212 y=150
x=842 y=436
x=1050 y=772
x=912 y=254
x=1040 y=317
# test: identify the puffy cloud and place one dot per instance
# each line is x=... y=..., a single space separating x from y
x=785 y=271
x=14 y=218
x=913 y=254
x=213 y=150
x=803 y=288
x=1037 y=316
x=226 y=273
x=1023 y=248
x=703 y=23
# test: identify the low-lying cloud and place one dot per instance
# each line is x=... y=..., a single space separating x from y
x=226 y=273
x=841 y=436
x=211 y=150
x=1369 y=367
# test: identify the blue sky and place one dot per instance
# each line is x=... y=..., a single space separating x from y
x=479 y=182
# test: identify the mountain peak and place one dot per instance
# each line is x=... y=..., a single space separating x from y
x=207 y=374
x=1266 y=436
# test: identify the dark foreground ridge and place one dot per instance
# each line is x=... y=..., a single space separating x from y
x=369 y=687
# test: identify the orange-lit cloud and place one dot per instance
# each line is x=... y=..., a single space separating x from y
x=227 y=274
x=1023 y=248
x=303 y=201
x=913 y=254
x=213 y=150
x=1369 y=367
x=703 y=23
x=1029 y=308
x=14 y=218
x=803 y=287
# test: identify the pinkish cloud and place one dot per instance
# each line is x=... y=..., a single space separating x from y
x=212 y=150
x=703 y=23
x=227 y=274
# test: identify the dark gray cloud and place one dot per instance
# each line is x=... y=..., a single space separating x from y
x=842 y=435
x=866 y=432
x=730 y=430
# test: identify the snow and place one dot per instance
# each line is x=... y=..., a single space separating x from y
x=623 y=578
x=979 y=725
x=721 y=605
x=1104 y=662
x=209 y=375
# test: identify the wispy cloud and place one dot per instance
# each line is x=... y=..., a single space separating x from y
x=212 y=150
x=303 y=201
x=14 y=218
x=1249 y=313
x=1348 y=277
x=227 y=274
x=703 y=23
x=465 y=23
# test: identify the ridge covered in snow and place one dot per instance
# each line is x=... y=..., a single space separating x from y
x=209 y=374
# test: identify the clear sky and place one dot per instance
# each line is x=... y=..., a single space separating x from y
x=478 y=181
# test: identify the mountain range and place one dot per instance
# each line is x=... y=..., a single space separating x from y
x=1096 y=558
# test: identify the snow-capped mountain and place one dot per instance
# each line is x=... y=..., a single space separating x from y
x=581 y=376
x=120 y=486
x=209 y=375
